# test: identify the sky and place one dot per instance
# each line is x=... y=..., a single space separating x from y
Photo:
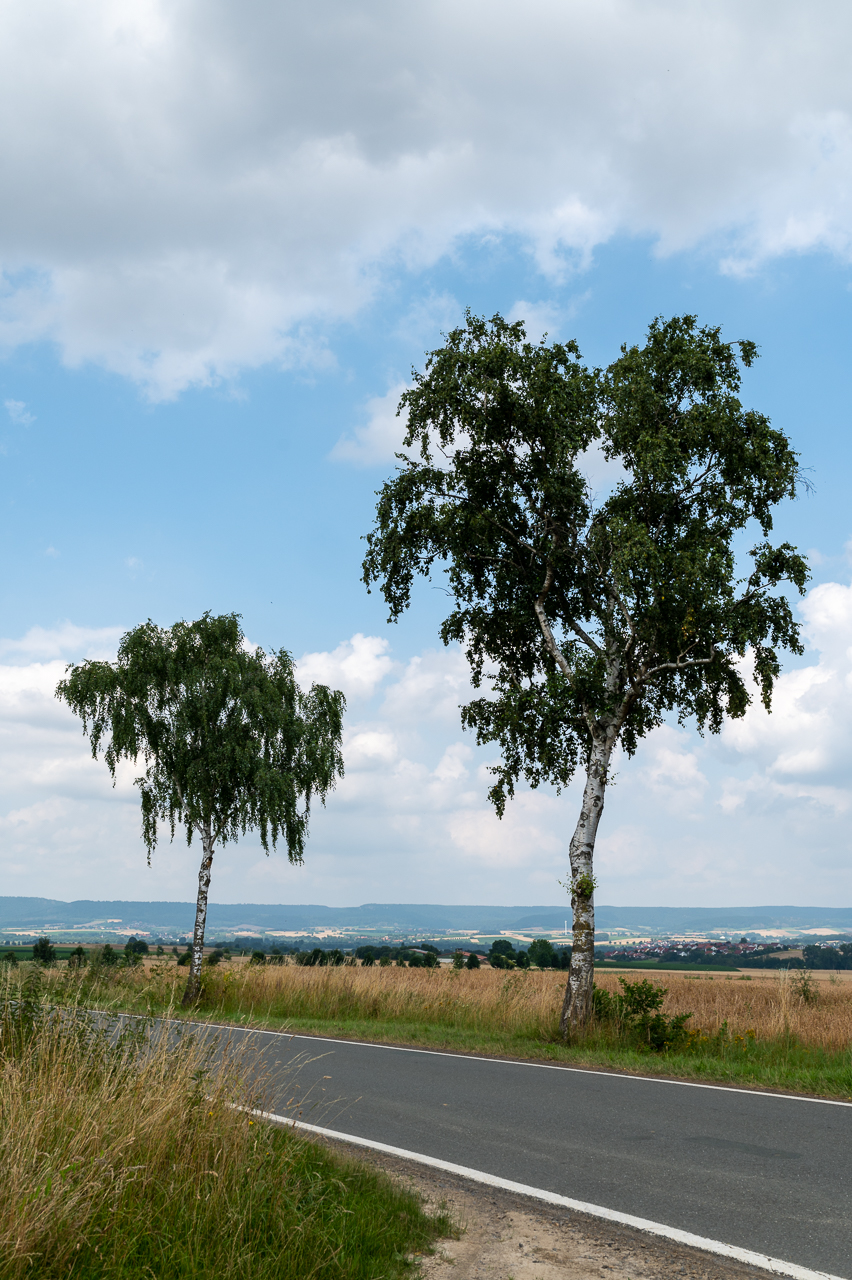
x=227 y=236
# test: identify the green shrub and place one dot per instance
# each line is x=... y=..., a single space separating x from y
x=637 y=1010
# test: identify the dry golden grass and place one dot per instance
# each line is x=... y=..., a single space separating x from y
x=497 y=1002
x=769 y=1004
x=81 y=1121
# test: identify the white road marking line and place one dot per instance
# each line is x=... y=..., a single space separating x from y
x=776 y=1265
x=511 y=1062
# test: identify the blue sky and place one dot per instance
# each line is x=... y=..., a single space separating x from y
x=227 y=247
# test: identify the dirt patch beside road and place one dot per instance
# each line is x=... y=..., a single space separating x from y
x=504 y=1236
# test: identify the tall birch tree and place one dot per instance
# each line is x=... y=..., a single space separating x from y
x=228 y=741
x=590 y=619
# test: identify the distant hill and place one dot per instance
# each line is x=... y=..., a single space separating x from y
x=177 y=917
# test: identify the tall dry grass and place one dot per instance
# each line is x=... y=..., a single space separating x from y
x=123 y=1156
x=772 y=1005
x=519 y=1004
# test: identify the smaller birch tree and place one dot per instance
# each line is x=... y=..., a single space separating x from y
x=228 y=741
x=592 y=620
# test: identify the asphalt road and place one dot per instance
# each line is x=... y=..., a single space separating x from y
x=769 y=1174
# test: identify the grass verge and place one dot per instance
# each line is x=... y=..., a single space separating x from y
x=124 y=1157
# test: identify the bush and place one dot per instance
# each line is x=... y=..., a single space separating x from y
x=215 y=957
x=107 y=955
x=367 y=956
x=257 y=957
x=136 y=946
x=458 y=959
x=185 y=958
x=77 y=958
x=472 y=961
x=637 y=1008
x=8 y=957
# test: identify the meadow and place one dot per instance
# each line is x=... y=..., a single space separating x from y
x=786 y=1029
x=129 y=1156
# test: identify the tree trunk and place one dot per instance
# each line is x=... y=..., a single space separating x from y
x=577 y=1006
x=193 y=986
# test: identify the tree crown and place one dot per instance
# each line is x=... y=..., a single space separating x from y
x=591 y=618
x=227 y=738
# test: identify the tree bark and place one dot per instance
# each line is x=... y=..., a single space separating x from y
x=193 y=985
x=577 y=1005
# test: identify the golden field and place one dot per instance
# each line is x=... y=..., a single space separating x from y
x=515 y=1004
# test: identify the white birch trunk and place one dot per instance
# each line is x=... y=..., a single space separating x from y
x=193 y=986
x=577 y=1006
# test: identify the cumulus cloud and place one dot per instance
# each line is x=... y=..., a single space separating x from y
x=356 y=666
x=758 y=815
x=804 y=747
x=672 y=772
x=66 y=640
x=380 y=438
x=195 y=193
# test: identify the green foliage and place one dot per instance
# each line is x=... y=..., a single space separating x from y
x=543 y=953
x=472 y=962
x=458 y=959
x=215 y=957
x=136 y=946
x=78 y=958
x=227 y=738
x=805 y=987
x=589 y=613
x=257 y=957
x=828 y=957
x=638 y=1010
x=44 y=951
x=185 y=959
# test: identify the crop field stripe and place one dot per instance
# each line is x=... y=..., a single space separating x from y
x=775 y=1265
x=515 y=1062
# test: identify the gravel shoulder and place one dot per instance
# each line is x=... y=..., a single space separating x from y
x=505 y=1236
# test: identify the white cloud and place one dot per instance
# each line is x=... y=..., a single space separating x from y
x=672 y=772
x=381 y=438
x=806 y=738
x=66 y=640
x=17 y=411
x=356 y=666
x=760 y=815
x=195 y=194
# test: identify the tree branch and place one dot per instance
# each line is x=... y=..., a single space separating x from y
x=553 y=648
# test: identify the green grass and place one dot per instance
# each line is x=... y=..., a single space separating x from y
x=294 y=1211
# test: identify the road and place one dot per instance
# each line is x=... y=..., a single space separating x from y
x=769 y=1174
